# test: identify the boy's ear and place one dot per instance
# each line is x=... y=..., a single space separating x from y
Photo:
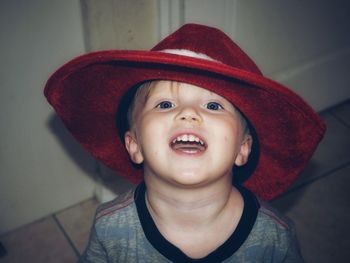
x=132 y=147
x=245 y=150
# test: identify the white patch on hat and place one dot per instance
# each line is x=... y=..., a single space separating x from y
x=189 y=53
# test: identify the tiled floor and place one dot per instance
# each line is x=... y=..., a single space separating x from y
x=318 y=203
x=60 y=237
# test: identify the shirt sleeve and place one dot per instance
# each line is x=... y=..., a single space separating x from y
x=293 y=254
x=278 y=236
x=95 y=252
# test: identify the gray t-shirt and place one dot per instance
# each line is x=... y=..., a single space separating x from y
x=124 y=231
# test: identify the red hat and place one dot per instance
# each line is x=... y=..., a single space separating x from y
x=88 y=92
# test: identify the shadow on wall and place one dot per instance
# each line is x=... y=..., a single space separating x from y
x=73 y=149
x=102 y=175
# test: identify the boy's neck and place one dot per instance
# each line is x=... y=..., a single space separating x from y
x=209 y=201
x=185 y=213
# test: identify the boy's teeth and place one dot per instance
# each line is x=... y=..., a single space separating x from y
x=188 y=138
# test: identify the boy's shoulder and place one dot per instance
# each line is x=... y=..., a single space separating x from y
x=116 y=209
x=273 y=228
x=271 y=216
x=272 y=237
x=272 y=225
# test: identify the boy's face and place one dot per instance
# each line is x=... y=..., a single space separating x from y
x=186 y=135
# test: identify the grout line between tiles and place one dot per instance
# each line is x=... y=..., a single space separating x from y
x=316 y=178
x=339 y=119
x=75 y=204
x=331 y=108
x=66 y=235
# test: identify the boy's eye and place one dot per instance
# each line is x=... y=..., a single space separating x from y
x=214 y=106
x=165 y=105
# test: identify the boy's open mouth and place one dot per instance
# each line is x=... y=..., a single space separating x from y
x=188 y=143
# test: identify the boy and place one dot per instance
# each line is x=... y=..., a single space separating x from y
x=193 y=116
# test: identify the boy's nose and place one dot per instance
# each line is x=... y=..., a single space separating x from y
x=189 y=115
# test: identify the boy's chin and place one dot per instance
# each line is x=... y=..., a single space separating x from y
x=191 y=180
x=187 y=176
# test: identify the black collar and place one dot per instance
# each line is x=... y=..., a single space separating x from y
x=227 y=249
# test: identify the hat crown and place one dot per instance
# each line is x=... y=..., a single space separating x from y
x=208 y=41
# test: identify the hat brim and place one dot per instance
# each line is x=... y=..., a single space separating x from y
x=87 y=91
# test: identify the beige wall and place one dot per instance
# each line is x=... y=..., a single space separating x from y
x=41 y=168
